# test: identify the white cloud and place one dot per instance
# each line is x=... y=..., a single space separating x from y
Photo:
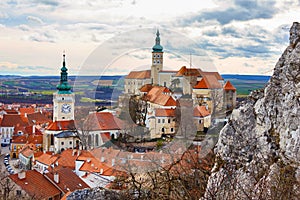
x=35 y=19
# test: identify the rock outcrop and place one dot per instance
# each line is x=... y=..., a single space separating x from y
x=258 y=151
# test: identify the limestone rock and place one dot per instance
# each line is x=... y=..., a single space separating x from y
x=261 y=142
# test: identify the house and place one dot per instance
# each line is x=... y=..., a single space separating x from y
x=34 y=185
x=26 y=155
x=202 y=118
x=8 y=124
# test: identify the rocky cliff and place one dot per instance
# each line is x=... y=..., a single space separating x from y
x=258 y=151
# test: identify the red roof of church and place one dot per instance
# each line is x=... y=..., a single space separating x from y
x=103 y=121
x=201 y=111
x=61 y=125
x=36 y=185
x=168 y=112
x=139 y=74
x=229 y=86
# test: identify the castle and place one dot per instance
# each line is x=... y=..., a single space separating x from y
x=162 y=89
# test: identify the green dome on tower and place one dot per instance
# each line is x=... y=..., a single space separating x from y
x=157 y=47
x=63 y=87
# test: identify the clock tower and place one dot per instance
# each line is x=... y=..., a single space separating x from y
x=63 y=99
x=157 y=59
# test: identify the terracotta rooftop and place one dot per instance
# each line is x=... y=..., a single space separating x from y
x=160 y=112
x=61 y=125
x=208 y=82
x=12 y=120
x=228 y=86
x=184 y=71
x=28 y=110
x=36 y=185
x=139 y=74
x=216 y=74
x=46 y=159
x=201 y=111
x=146 y=88
x=37 y=118
x=28 y=150
x=103 y=121
x=159 y=95
x=68 y=180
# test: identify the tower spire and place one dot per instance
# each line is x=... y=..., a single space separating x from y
x=63 y=87
x=157 y=47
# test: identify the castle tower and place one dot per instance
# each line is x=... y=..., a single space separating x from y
x=157 y=59
x=63 y=99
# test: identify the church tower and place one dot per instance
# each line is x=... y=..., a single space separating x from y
x=63 y=99
x=157 y=60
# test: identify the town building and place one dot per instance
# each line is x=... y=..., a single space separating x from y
x=61 y=133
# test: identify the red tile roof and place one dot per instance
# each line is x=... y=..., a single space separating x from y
x=208 y=82
x=139 y=74
x=28 y=110
x=46 y=159
x=37 y=118
x=157 y=95
x=102 y=121
x=36 y=185
x=184 y=71
x=201 y=111
x=12 y=120
x=228 y=86
x=61 y=125
x=146 y=88
x=169 y=112
x=216 y=74
x=68 y=180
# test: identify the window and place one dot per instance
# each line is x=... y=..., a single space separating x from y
x=62 y=143
x=172 y=130
x=63 y=98
x=158 y=55
x=163 y=120
x=18 y=192
x=200 y=121
x=158 y=121
x=165 y=84
x=63 y=117
x=169 y=121
x=157 y=62
x=163 y=130
x=70 y=142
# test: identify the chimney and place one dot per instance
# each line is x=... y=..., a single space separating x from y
x=78 y=152
x=113 y=162
x=22 y=175
x=102 y=159
x=33 y=129
x=56 y=178
x=101 y=171
x=73 y=152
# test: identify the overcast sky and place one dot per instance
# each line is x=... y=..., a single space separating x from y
x=238 y=36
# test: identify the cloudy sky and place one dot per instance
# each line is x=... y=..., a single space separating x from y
x=238 y=36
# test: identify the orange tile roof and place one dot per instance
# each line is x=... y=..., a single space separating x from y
x=139 y=74
x=146 y=88
x=208 y=82
x=102 y=121
x=46 y=159
x=158 y=95
x=28 y=110
x=216 y=74
x=28 y=150
x=201 y=111
x=37 y=118
x=67 y=158
x=184 y=71
x=36 y=185
x=168 y=112
x=228 y=86
x=11 y=120
x=61 y=125
x=68 y=180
